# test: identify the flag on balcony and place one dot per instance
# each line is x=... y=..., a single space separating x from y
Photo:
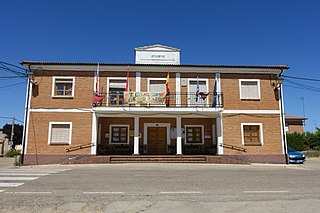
x=214 y=102
x=167 y=90
x=97 y=99
x=127 y=81
x=197 y=91
x=97 y=80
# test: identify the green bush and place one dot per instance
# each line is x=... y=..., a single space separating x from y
x=11 y=153
x=312 y=153
x=296 y=141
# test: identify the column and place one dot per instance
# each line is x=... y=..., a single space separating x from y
x=219 y=134
x=138 y=83
x=179 y=138
x=94 y=134
x=136 y=136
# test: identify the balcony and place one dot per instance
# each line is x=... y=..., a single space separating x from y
x=158 y=99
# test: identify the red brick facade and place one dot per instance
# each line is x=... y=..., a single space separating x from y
x=221 y=125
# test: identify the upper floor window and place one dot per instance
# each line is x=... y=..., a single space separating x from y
x=157 y=85
x=252 y=134
x=198 y=92
x=60 y=133
x=116 y=88
x=63 y=86
x=250 y=89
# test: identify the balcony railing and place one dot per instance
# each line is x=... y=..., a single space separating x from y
x=158 y=99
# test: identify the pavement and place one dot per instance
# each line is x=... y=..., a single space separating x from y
x=6 y=162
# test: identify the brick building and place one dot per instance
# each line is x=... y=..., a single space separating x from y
x=294 y=124
x=153 y=108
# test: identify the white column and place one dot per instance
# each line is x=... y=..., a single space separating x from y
x=179 y=138
x=219 y=135
x=94 y=134
x=178 y=90
x=218 y=91
x=136 y=136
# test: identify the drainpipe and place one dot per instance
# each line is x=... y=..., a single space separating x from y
x=25 y=117
x=284 y=137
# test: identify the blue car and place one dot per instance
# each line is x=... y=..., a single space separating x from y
x=295 y=157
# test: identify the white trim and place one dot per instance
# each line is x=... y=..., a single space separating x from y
x=179 y=136
x=252 y=124
x=185 y=134
x=50 y=128
x=138 y=81
x=154 y=79
x=282 y=123
x=86 y=110
x=28 y=100
x=178 y=89
x=251 y=112
x=219 y=122
x=145 y=132
x=259 y=91
x=94 y=134
x=198 y=79
x=54 y=78
x=136 y=141
x=120 y=125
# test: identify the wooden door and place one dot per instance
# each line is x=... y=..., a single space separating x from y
x=157 y=140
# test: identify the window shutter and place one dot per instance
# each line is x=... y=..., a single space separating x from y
x=119 y=84
x=157 y=86
x=60 y=133
x=249 y=90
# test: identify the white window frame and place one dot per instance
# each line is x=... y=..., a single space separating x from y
x=155 y=79
x=198 y=79
x=252 y=124
x=50 y=132
x=54 y=78
x=119 y=125
x=259 y=90
x=185 y=134
x=108 y=85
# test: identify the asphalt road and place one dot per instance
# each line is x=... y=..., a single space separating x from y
x=161 y=188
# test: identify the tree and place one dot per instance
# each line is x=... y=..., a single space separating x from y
x=18 y=132
x=296 y=141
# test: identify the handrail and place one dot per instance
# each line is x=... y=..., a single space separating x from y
x=233 y=147
x=77 y=147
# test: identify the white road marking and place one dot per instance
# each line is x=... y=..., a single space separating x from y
x=10 y=184
x=18 y=178
x=182 y=192
x=102 y=192
x=1 y=191
x=28 y=192
x=22 y=174
x=265 y=191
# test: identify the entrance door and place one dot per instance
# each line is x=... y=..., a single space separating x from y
x=157 y=140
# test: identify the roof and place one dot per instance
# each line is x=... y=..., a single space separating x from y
x=27 y=62
x=156 y=46
x=291 y=117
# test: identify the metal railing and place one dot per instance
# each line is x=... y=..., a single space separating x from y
x=119 y=99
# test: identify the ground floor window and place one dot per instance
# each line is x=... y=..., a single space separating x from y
x=119 y=134
x=251 y=134
x=194 y=134
x=60 y=133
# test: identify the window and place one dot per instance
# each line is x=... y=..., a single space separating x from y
x=252 y=134
x=198 y=92
x=63 y=86
x=119 y=134
x=157 y=85
x=60 y=133
x=250 y=89
x=194 y=134
x=116 y=90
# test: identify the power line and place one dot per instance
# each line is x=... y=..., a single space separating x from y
x=301 y=78
x=5 y=63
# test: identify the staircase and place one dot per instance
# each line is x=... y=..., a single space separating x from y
x=158 y=159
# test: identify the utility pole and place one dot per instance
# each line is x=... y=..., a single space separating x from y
x=12 y=132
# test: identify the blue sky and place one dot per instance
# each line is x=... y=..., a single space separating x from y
x=246 y=32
